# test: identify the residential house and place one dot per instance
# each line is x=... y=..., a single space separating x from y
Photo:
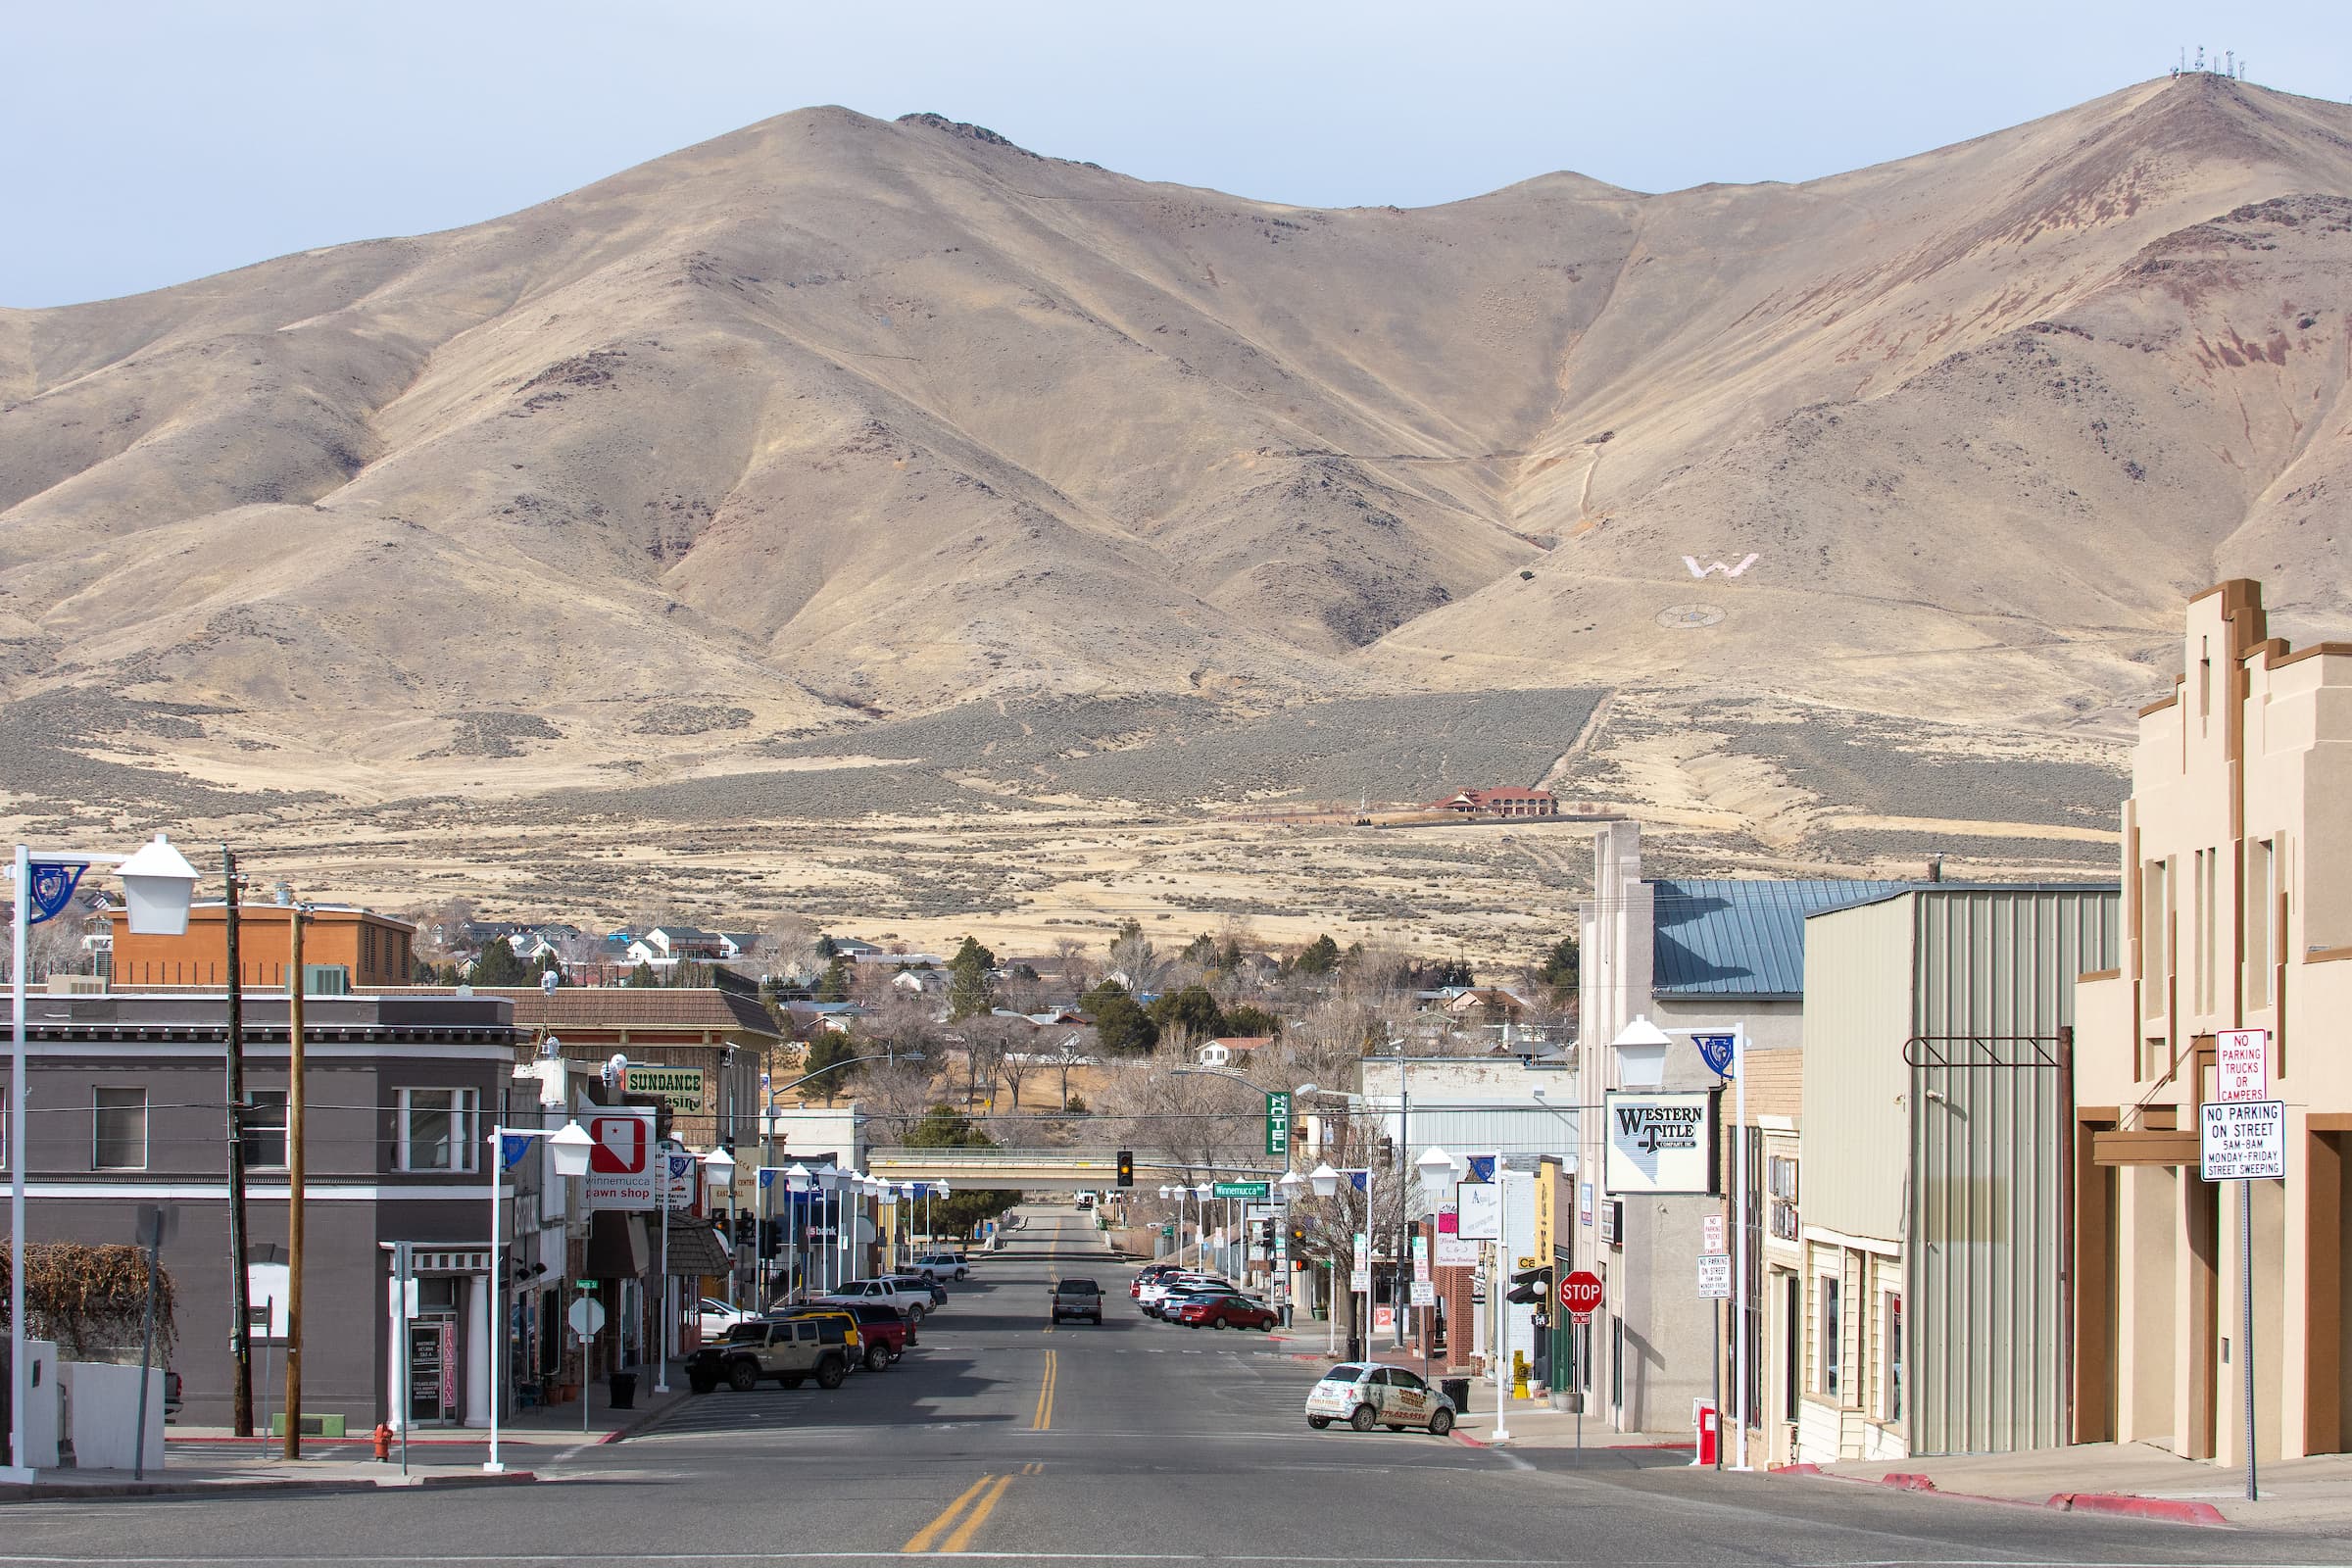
x=2237 y=878
x=1487 y=1005
x=921 y=982
x=1225 y=1052
x=1920 y=1308
x=1681 y=958
x=678 y=943
x=398 y=1089
x=739 y=946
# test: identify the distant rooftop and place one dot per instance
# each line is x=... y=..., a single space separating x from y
x=1735 y=937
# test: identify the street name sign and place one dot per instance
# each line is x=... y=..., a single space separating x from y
x=1714 y=1277
x=1580 y=1294
x=1239 y=1190
x=2241 y=1064
x=2243 y=1140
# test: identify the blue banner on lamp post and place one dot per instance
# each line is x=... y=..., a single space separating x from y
x=1716 y=1051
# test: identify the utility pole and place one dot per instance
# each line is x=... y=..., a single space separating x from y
x=294 y=1187
x=240 y=1301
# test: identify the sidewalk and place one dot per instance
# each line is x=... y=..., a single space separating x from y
x=206 y=1458
x=2135 y=1479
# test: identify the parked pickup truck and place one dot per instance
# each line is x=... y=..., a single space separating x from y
x=789 y=1351
x=1077 y=1298
x=877 y=1293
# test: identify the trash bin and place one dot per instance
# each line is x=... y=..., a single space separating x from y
x=1356 y=1347
x=1458 y=1391
x=624 y=1390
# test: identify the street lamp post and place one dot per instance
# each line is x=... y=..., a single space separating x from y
x=157 y=883
x=1326 y=1182
x=798 y=1179
x=828 y=1182
x=570 y=1148
x=719 y=1166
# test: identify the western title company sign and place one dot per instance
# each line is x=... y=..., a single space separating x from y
x=1660 y=1142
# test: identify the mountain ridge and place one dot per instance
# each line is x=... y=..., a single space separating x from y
x=833 y=415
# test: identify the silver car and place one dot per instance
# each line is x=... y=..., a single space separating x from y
x=1366 y=1396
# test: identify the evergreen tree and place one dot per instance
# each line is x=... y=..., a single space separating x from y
x=1561 y=965
x=834 y=984
x=828 y=1049
x=826 y=947
x=1192 y=1007
x=970 y=991
x=1320 y=957
x=643 y=975
x=1248 y=1022
x=1122 y=1026
x=498 y=965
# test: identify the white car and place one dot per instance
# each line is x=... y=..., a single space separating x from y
x=940 y=1263
x=1367 y=1396
x=880 y=1293
x=1156 y=1292
x=716 y=1317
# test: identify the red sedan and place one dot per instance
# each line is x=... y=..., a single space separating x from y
x=1228 y=1312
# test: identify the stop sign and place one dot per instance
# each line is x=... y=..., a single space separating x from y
x=1580 y=1294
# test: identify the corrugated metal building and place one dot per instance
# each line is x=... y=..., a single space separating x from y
x=1932 y=1207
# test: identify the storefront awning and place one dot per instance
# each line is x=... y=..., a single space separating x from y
x=695 y=1249
x=616 y=1249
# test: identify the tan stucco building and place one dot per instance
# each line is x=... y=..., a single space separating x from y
x=2237 y=879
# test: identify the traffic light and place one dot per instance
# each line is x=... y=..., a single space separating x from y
x=1126 y=1167
x=772 y=1238
x=747 y=1229
x=1529 y=1286
x=1267 y=1235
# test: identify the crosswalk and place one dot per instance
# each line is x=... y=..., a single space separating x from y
x=764 y=1409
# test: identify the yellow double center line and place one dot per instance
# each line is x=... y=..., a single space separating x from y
x=1044 y=1420
x=960 y=1521
x=958 y=1525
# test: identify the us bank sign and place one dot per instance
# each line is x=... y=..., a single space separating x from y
x=1660 y=1142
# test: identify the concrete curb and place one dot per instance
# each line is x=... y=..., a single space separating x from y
x=72 y=1491
x=2171 y=1510
x=2125 y=1504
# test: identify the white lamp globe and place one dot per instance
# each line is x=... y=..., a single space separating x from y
x=1324 y=1180
x=797 y=1178
x=572 y=1148
x=157 y=883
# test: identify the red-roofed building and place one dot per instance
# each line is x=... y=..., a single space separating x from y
x=1499 y=803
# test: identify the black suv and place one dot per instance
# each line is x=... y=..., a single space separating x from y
x=1077 y=1298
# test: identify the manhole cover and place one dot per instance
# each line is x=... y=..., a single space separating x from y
x=1682 y=617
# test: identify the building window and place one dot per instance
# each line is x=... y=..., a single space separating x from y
x=436 y=1129
x=1828 y=1350
x=1890 y=1359
x=118 y=1129
x=2262 y=901
x=262 y=1130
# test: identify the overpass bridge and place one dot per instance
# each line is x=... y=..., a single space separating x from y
x=1063 y=1170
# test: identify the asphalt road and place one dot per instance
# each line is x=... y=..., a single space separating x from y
x=1134 y=1442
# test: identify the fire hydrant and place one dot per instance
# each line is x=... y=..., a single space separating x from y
x=383 y=1442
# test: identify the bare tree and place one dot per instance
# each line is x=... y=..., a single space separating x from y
x=1077 y=970
x=1068 y=1051
x=1019 y=1058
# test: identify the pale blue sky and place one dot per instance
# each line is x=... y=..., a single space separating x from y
x=143 y=143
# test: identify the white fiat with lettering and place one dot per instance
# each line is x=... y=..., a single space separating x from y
x=1365 y=1396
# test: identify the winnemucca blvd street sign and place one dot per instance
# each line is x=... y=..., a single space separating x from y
x=2242 y=1140
x=1239 y=1190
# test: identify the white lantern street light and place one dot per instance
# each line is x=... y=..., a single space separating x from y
x=569 y=1150
x=1640 y=1048
x=158 y=884
x=1439 y=1173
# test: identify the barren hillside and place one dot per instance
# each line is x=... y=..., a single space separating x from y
x=704 y=470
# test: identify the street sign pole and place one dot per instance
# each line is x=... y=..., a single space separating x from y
x=2243 y=1134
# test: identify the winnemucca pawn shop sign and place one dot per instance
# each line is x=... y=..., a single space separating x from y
x=1660 y=1142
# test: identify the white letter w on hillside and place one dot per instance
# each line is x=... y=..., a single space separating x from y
x=1696 y=571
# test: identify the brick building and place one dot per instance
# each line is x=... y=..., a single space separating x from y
x=374 y=950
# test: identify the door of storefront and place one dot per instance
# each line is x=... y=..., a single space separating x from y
x=434 y=1397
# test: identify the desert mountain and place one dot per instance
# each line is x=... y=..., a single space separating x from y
x=833 y=419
